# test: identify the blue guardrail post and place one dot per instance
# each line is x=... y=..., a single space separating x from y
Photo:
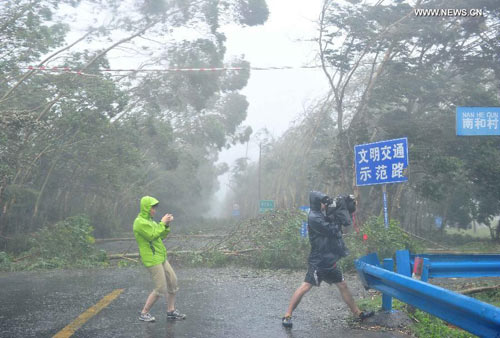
x=470 y=314
x=388 y=264
x=403 y=264
x=425 y=270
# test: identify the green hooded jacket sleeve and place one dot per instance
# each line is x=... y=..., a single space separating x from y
x=149 y=234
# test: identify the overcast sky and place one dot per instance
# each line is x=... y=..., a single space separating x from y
x=277 y=97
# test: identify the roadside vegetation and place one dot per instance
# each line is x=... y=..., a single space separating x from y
x=66 y=244
x=274 y=241
x=424 y=324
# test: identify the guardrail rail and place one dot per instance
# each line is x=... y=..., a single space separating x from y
x=470 y=314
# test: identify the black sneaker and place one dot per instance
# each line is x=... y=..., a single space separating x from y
x=365 y=314
x=287 y=321
x=175 y=315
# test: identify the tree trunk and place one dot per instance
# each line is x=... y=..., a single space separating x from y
x=396 y=200
x=42 y=189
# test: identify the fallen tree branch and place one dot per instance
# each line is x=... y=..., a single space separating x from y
x=183 y=252
x=23 y=257
x=123 y=239
x=130 y=259
x=425 y=239
x=479 y=289
x=451 y=252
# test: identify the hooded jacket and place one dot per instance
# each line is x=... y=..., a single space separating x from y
x=149 y=234
x=322 y=235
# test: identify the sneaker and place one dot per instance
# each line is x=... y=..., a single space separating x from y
x=365 y=314
x=146 y=317
x=175 y=315
x=287 y=321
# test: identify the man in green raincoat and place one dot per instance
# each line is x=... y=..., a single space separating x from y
x=149 y=235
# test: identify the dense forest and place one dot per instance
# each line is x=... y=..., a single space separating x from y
x=75 y=139
x=78 y=140
x=393 y=74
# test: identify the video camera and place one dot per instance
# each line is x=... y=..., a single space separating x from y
x=339 y=212
x=340 y=209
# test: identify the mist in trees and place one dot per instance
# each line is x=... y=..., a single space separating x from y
x=79 y=140
x=394 y=74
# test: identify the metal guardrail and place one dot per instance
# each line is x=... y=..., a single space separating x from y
x=459 y=265
x=468 y=313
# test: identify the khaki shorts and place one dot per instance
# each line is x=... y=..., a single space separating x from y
x=164 y=278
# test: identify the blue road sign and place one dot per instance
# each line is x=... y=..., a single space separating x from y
x=304 y=208
x=381 y=162
x=303 y=229
x=472 y=121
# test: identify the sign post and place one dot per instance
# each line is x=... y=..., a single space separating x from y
x=386 y=213
x=236 y=210
x=382 y=163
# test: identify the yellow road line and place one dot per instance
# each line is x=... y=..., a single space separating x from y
x=91 y=312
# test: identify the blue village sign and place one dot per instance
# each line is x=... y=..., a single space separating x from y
x=381 y=162
x=303 y=228
x=473 y=121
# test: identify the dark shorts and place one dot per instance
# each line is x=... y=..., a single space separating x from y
x=331 y=276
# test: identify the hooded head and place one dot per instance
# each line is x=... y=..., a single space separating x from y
x=315 y=199
x=147 y=202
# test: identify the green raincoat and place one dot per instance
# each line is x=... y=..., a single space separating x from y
x=149 y=234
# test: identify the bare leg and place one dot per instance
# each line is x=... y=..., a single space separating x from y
x=170 y=302
x=152 y=298
x=297 y=297
x=347 y=297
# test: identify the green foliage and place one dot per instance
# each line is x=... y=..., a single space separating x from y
x=430 y=326
x=253 y=12
x=96 y=143
x=16 y=244
x=5 y=261
x=393 y=74
x=462 y=244
x=425 y=325
x=278 y=236
x=123 y=264
x=385 y=242
x=207 y=259
x=215 y=259
x=271 y=240
x=68 y=243
x=491 y=297
x=68 y=240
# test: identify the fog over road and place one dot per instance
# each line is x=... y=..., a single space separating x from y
x=223 y=302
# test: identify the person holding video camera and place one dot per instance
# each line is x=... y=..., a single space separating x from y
x=149 y=235
x=327 y=248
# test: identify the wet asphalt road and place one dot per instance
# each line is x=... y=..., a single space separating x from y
x=225 y=302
